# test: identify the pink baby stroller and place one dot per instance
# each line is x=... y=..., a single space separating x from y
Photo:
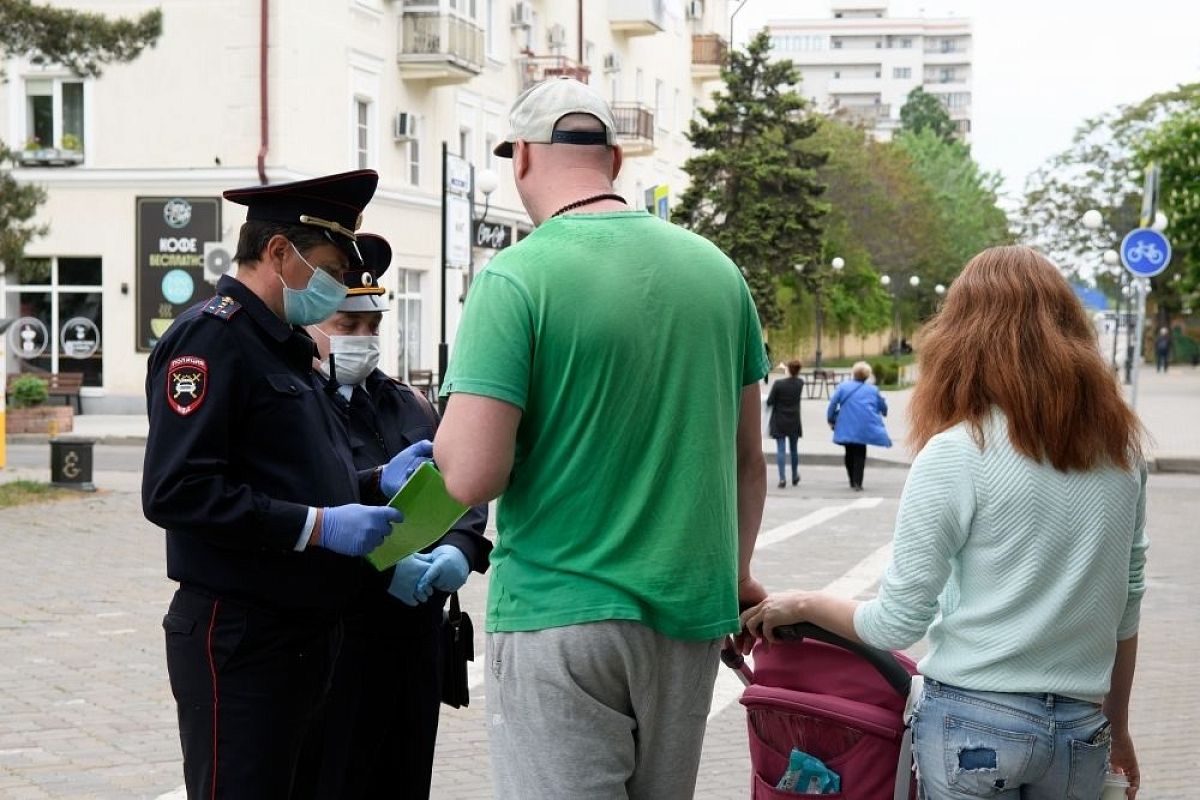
x=834 y=699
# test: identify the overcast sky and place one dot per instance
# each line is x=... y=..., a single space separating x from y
x=1042 y=66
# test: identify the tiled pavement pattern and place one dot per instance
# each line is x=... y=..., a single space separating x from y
x=85 y=711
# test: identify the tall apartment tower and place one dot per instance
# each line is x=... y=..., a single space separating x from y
x=861 y=64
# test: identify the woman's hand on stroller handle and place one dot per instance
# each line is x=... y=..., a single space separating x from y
x=834 y=614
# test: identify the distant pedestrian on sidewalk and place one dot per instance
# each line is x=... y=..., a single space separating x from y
x=628 y=517
x=855 y=414
x=1162 y=350
x=785 y=426
x=1019 y=546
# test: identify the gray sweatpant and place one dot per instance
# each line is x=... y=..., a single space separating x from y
x=600 y=711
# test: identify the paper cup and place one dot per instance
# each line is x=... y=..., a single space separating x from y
x=1115 y=784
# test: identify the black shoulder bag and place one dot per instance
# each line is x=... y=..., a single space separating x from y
x=458 y=634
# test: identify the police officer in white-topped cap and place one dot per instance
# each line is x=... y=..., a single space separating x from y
x=254 y=482
x=378 y=732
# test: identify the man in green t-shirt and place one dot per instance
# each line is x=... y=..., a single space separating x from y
x=605 y=380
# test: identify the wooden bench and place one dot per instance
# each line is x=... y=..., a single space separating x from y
x=58 y=384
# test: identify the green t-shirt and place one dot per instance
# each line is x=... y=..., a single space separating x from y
x=626 y=342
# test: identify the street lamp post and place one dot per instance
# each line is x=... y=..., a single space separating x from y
x=1111 y=259
x=818 y=285
x=886 y=280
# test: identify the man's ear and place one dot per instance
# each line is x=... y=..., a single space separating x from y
x=276 y=250
x=618 y=159
x=521 y=158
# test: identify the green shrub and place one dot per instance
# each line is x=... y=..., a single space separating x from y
x=28 y=391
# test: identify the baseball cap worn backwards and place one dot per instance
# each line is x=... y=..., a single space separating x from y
x=539 y=108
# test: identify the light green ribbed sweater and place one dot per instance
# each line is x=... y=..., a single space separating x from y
x=1039 y=572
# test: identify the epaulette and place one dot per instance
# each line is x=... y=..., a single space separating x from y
x=222 y=307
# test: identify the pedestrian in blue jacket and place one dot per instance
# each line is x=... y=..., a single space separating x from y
x=855 y=414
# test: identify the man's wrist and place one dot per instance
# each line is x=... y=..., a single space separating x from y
x=314 y=538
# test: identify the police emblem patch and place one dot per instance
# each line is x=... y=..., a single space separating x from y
x=187 y=382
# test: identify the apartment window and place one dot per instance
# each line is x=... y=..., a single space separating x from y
x=63 y=296
x=906 y=43
x=362 y=133
x=414 y=162
x=955 y=99
x=54 y=114
x=466 y=145
x=837 y=44
x=408 y=300
x=837 y=73
x=902 y=72
x=660 y=105
x=489 y=144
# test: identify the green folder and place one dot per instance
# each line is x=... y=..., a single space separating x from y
x=429 y=511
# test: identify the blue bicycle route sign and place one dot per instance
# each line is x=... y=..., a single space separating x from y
x=1145 y=252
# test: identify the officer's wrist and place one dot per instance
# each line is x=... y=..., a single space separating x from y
x=314 y=538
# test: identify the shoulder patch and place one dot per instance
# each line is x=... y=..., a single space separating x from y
x=187 y=383
x=222 y=307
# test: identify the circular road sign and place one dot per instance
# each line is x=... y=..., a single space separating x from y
x=1145 y=252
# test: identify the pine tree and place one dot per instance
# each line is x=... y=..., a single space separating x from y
x=80 y=41
x=754 y=189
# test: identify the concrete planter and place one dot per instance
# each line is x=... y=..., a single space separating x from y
x=51 y=420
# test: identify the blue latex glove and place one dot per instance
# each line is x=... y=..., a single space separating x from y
x=405 y=580
x=403 y=464
x=447 y=572
x=355 y=530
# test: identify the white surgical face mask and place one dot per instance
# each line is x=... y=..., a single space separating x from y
x=353 y=357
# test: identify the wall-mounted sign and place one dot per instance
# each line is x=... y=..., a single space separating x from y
x=458 y=231
x=80 y=338
x=492 y=235
x=171 y=232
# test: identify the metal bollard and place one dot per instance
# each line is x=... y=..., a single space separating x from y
x=71 y=463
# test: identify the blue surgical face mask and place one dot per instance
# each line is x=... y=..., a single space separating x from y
x=314 y=303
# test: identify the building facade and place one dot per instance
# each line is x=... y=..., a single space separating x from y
x=860 y=64
x=241 y=92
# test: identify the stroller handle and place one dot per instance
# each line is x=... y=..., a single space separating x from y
x=882 y=660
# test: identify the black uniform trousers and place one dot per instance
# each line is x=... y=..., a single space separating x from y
x=248 y=685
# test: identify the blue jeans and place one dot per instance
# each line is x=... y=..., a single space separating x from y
x=1008 y=745
x=780 y=454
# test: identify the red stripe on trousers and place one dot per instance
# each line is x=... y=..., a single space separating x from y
x=212 y=668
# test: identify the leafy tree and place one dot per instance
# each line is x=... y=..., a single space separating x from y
x=1175 y=147
x=754 y=189
x=1099 y=170
x=964 y=198
x=922 y=111
x=81 y=41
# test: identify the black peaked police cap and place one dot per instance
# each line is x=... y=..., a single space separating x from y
x=363 y=292
x=333 y=203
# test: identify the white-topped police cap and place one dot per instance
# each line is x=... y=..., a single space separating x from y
x=363 y=292
x=538 y=109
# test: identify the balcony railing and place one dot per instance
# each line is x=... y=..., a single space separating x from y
x=440 y=47
x=635 y=128
x=868 y=115
x=637 y=17
x=708 y=55
x=535 y=69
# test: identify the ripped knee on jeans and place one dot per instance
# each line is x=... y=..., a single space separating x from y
x=979 y=759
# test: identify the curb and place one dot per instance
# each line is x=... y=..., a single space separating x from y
x=41 y=438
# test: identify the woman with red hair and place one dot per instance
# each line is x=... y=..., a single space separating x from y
x=1019 y=545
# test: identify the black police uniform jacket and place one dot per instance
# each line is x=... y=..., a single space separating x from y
x=381 y=423
x=241 y=444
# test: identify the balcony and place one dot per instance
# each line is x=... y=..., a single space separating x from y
x=635 y=128
x=708 y=56
x=439 y=48
x=637 y=17
x=535 y=69
x=869 y=116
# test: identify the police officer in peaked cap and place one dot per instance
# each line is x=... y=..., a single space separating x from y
x=254 y=481
x=378 y=733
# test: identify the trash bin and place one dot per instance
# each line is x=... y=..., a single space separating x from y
x=71 y=463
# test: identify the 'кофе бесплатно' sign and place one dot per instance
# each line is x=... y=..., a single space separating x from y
x=171 y=232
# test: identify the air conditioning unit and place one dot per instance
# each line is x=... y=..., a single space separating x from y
x=404 y=129
x=695 y=9
x=612 y=63
x=556 y=36
x=522 y=15
x=218 y=261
